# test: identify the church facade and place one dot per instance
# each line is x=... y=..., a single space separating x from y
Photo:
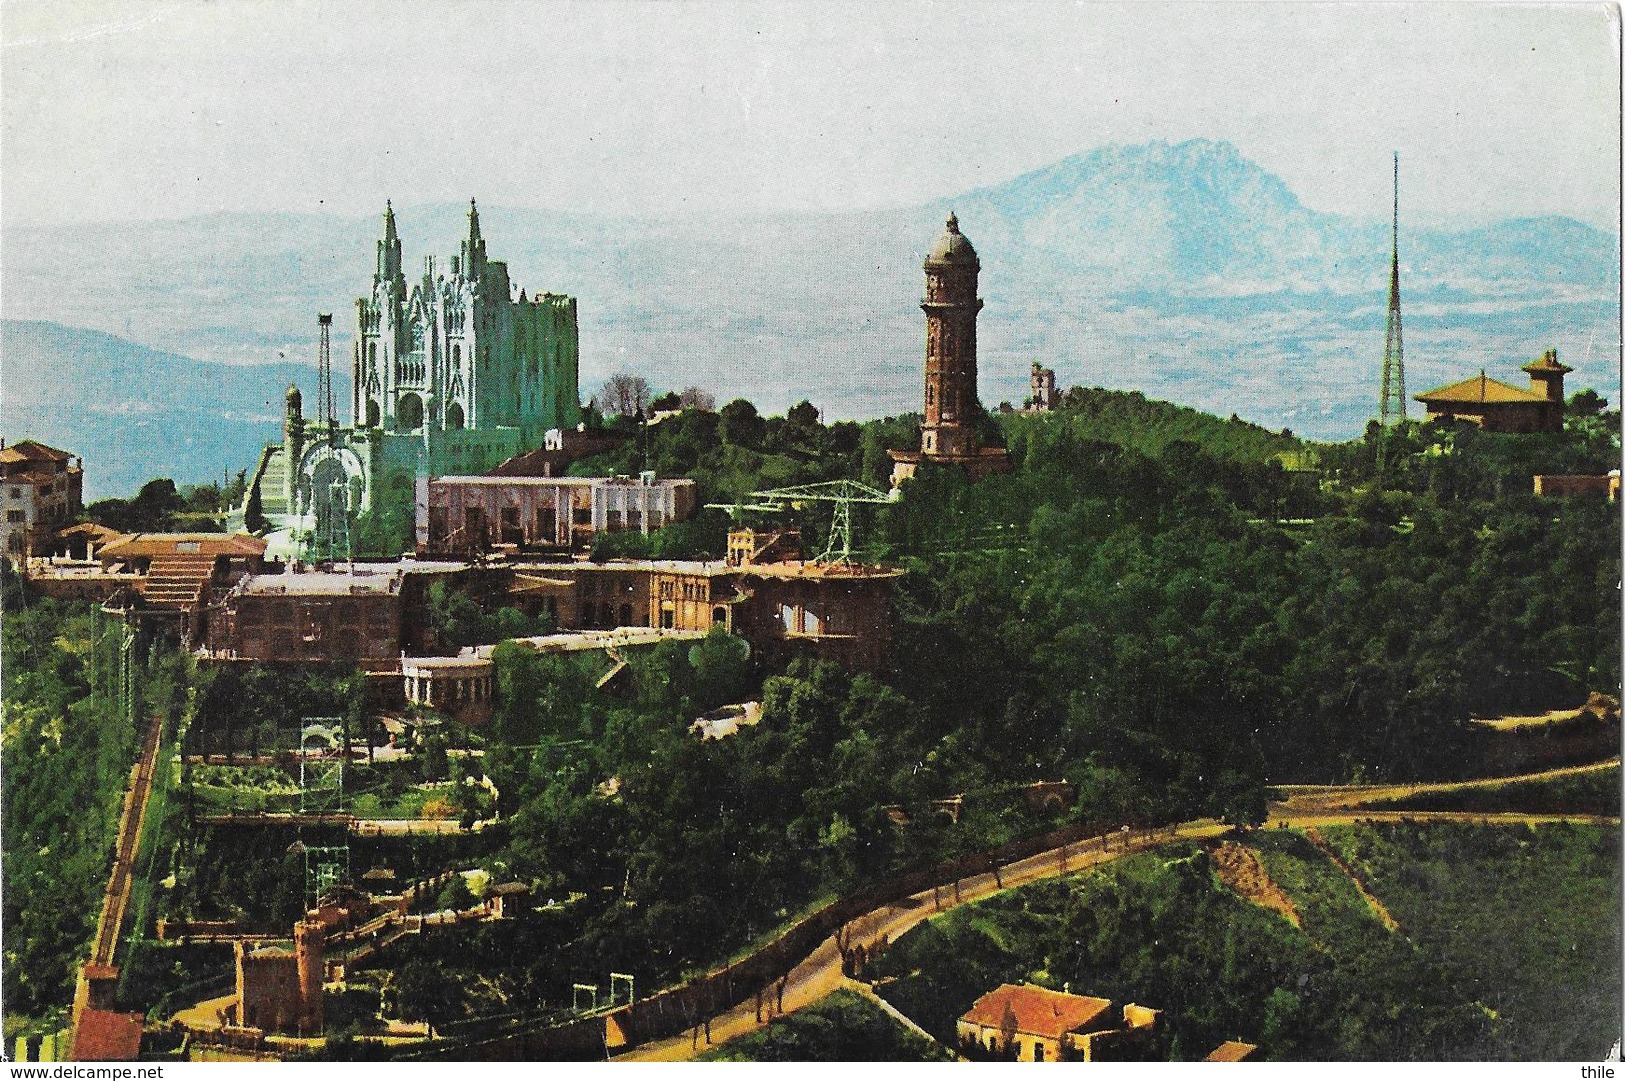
x=451 y=374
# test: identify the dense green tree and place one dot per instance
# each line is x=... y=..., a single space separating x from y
x=153 y=510
x=420 y=992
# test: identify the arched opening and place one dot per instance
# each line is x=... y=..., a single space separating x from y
x=409 y=412
x=372 y=413
x=456 y=354
x=372 y=353
x=454 y=416
x=719 y=616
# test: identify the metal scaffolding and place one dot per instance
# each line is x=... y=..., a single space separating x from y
x=840 y=494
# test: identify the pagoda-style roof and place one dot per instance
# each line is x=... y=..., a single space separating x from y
x=1547 y=362
x=1480 y=390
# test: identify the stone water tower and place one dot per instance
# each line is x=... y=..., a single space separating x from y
x=952 y=409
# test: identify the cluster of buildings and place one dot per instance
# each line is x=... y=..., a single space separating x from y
x=464 y=416
x=464 y=413
x=377 y=614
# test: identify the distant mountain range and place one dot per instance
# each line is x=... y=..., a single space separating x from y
x=1185 y=271
x=134 y=413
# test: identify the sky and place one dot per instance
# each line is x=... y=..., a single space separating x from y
x=121 y=110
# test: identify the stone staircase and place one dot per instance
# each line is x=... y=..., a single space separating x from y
x=268 y=475
x=177 y=582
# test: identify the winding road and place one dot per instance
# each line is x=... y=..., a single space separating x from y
x=1304 y=806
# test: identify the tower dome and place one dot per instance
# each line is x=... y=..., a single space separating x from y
x=295 y=401
x=951 y=246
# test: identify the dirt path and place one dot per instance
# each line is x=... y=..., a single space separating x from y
x=1342 y=817
x=1307 y=797
x=1378 y=909
x=1240 y=868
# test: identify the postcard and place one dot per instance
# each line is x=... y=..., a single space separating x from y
x=578 y=532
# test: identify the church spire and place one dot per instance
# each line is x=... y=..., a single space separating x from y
x=474 y=247
x=389 y=248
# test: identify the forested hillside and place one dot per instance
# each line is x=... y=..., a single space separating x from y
x=1149 y=606
x=68 y=747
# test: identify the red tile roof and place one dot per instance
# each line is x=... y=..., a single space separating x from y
x=107 y=1036
x=30 y=451
x=1039 y=1012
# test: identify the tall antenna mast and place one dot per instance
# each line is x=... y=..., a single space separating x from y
x=329 y=539
x=324 y=387
x=1392 y=410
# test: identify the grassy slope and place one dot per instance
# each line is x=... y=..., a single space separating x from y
x=1130 y=419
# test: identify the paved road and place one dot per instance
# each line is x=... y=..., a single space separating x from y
x=820 y=973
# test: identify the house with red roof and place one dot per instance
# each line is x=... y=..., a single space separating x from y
x=41 y=490
x=1035 y=1024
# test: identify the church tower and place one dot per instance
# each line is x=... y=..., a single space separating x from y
x=378 y=337
x=952 y=409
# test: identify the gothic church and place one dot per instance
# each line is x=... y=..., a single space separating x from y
x=450 y=375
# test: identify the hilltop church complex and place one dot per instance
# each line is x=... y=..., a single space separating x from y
x=464 y=413
x=451 y=375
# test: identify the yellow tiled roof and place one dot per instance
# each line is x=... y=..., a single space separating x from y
x=1479 y=390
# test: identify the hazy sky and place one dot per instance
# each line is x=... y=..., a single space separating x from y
x=126 y=110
